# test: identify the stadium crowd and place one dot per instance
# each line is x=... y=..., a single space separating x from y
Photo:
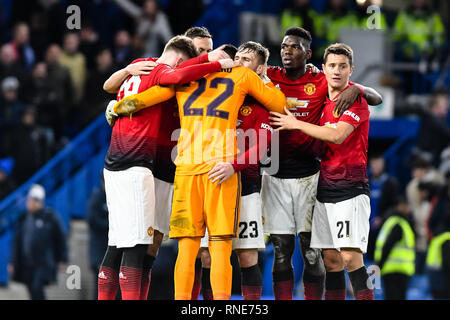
x=51 y=81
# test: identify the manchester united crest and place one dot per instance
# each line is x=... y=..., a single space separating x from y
x=246 y=110
x=150 y=231
x=310 y=88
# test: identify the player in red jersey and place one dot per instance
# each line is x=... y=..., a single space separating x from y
x=129 y=163
x=289 y=195
x=340 y=225
x=253 y=135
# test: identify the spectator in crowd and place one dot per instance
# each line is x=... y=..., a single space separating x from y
x=6 y=184
x=394 y=251
x=420 y=191
x=152 y=25
x=337 y=17
x=75 y=61
x=9 y=66
x=438 y=260
x=440 y=210
x=23 y=52
x=97 y=216
x=384 y=191
x=178 y=19
x=95 y=97
x=89 y=43
x=10 y=105
x=39 y=246
x=60 y=83
x=30 y=146
x=301 y=14
x=418 y=30
x=123 y=50
x=434 y=133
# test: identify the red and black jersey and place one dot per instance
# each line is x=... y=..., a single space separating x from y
x=343 y=171
x=167 y=142
x=134 y=140
x=306 y=97
x=253 y=130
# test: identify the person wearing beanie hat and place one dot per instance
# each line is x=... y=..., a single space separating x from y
x=39 y=246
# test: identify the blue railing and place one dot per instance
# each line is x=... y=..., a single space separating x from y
x=68 y=179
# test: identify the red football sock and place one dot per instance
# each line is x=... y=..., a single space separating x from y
x=362 y=286
x=251 y=283
x=283 y=284
x=335 y=285
x=108 y=283
x=130 y=282
x=313 y=287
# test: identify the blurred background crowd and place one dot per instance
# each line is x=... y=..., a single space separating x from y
x=51 y=80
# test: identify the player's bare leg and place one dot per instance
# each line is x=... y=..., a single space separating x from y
x=313 y=268
x=335 y=275
x=251 y=277
x=282 y=270
x=149 y=259
x=354 y=263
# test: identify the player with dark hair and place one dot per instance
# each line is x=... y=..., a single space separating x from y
x=340 y=224
x=288 y=196
x=199 y=204
x=201 y=37
x=135 y=229
x=253 y=123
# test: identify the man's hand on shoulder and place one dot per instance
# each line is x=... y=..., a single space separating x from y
x=140 y=68
x=218 y=54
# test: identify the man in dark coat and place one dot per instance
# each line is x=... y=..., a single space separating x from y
x=39 y=246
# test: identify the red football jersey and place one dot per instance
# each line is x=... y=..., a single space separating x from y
x=306 y=97
x=134 y=140
x=343 y=171
x=254 y=123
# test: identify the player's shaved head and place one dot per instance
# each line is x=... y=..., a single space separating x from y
x=182 y=45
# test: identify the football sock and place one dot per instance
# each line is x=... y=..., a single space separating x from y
x=130 y=276
x=146 y=276
x=108 y=275
x=206 y=284
x=313 y=286
x=335 y=285
x=251 y=283
x=197 y=280
x=283 y=284
x=185 y=267
x=361 y=284
x=221 y=270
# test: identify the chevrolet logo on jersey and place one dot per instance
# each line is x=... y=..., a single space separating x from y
x=294 y=103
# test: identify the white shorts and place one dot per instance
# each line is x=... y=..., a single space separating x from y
x=130 y=196
x=251 y=233
x=343 y=224
x=163 y=206
x=287 y=204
